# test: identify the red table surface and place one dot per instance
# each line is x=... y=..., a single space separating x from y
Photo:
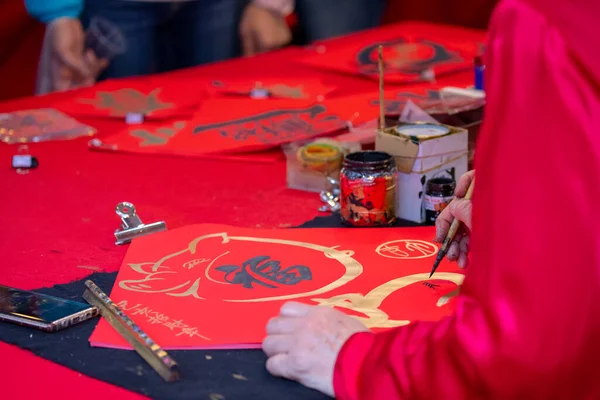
x=58 y=221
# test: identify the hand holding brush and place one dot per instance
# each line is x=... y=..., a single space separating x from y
x=459 y=210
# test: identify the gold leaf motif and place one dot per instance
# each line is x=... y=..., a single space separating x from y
x=291 y=92
x=121 y=102
x=157 y=137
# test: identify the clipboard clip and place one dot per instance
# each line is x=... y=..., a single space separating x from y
x=132 y=226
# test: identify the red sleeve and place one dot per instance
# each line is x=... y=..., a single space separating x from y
x=527 y=323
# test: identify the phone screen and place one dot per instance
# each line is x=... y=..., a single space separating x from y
x=39 y=309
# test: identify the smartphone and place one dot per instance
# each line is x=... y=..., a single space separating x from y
x=40 y=311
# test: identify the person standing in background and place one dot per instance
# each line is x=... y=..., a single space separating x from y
x=161 y=35
x=167 y=35
x=323 y=19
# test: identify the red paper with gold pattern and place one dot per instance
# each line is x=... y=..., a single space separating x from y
x=231 y=117
x=228 y=126
x=410 y=51
x=216 y=286
x=156 y=99
x=240 y=125
x=155 y=137
x=279 y=88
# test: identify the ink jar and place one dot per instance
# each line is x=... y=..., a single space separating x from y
x=439 y=192
x=368 y=189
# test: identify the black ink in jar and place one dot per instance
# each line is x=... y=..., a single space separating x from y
x=439 y=192
x=368 y=189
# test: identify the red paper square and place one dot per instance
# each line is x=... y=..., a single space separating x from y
x=216 y=286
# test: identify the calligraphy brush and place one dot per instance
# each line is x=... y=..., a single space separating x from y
x=381 y=101
x=451 y=233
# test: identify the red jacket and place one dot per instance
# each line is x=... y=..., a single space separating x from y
x=527 y=323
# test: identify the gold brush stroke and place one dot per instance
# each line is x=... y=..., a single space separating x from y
x=369 y=304
x=293 y=92
x=353 y=268
x=118 y=102
x=192 y=291
x=411 y=244
x=160 y=319
x=210 y=265
x=446 y=298
x=158 y=137
x=151 y=277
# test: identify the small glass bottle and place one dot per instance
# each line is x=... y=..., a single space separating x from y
x=368 y=189
x=439 y=192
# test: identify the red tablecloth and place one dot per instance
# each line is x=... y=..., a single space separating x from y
x=58 y=220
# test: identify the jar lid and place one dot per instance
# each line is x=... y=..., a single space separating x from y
x=368 y=159
x=441 y=184
x=319 y=156
x=422 y=131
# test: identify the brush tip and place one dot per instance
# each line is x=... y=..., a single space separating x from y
x=435 y=265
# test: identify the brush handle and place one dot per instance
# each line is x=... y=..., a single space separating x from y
x=456 y=223
x=381 y=97
x=451 y=232
x=469 y=194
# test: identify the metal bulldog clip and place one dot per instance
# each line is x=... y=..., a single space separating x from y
x=331 y=196
x=132 y=226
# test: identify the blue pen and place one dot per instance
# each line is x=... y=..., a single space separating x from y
x=479 y=69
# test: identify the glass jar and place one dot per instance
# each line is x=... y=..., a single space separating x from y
x=439 y=192
x=368 y=189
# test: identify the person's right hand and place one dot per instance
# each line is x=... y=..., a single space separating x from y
x=262 y=30
x=71 y=66
x=460 y=209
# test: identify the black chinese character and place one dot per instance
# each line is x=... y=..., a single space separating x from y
x=262 y=271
